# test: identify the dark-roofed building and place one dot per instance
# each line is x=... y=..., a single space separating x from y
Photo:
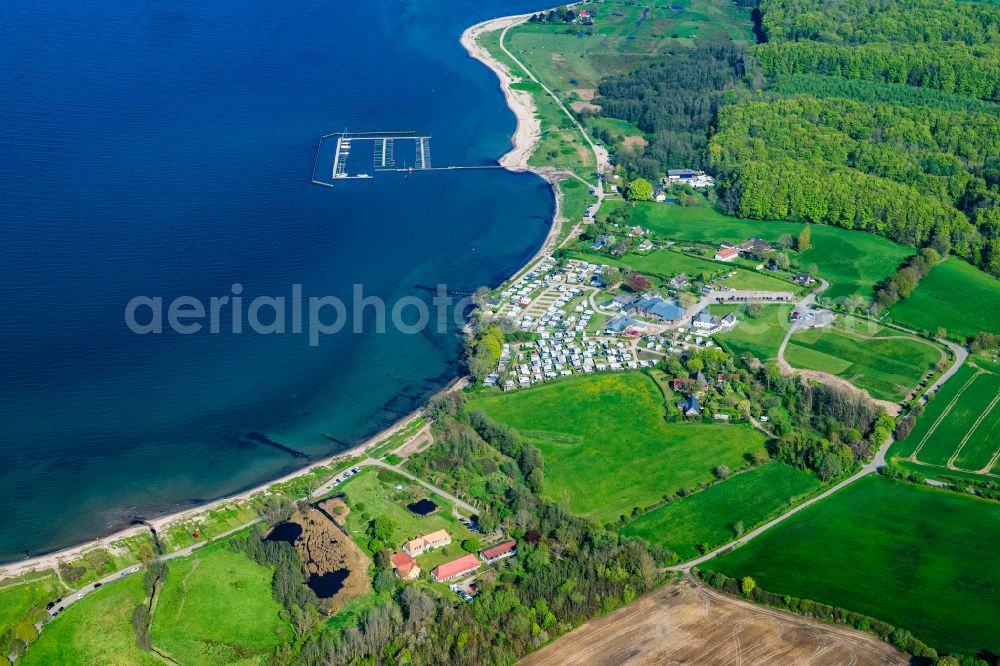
x=623 y=324
x=803 y=279
x=657 y=308
x=604 y=240
x=690 y=406
x=678 y=281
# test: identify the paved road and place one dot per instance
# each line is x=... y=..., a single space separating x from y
x=434 y=489
x=600 y=153
x=877 y=461
x=71 y=597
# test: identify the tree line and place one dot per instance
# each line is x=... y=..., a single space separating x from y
x=954 y=68
x=866 y=21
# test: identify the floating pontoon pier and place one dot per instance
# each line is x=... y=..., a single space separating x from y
x=383 y=154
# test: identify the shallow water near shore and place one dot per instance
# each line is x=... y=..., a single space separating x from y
x=166 y=149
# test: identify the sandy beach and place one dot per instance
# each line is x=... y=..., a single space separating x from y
x=49 y=560
x=529 y=128
x=524 y=140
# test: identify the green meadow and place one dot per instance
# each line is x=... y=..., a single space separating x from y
x=917 y=557
x=955 y=296
x=23 y=603
x=97 y=630
x=886 y=364
x=623 y=36
x=607 y=447
x=712 y=516
x=851 y=261
x=964 y=417
x=217 y=608
x=758 y=336
x=374 y=493
x=664 y=264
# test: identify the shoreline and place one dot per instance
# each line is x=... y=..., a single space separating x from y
x=52 y=559
x=528 y=131
x=524 y=140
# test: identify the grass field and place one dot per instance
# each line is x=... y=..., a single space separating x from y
x=561 y=144
x=711 y=516
x=913 y=556
x=852 y=261
x=759 y=336
x=96 y=631
x=625 y=35
x=217 y=608
x=888 y=366
x=664 y=264
x=960 y=429
x=955 y=295
x=576 y=198
x=370 y=495
x=23 y=604
x=607 y=447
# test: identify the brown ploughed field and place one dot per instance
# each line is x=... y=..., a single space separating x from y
x=689 y=623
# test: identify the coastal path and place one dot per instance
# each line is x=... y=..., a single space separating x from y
x=600 y=152
x=76 y=595
x=80 y=593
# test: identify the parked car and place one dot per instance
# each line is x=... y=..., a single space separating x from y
x=97 y=585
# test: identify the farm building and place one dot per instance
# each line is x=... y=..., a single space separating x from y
x=499 y=551
x=427 y=542
x=405 y=566
x=460 y=567
x=727 y=253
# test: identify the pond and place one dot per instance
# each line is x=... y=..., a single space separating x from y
x=289 y=532
x=422 y=507
x=327 y=584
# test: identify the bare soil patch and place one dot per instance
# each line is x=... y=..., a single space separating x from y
x=326 y=549
x=635 y=141
x=586 y=94
x=689 y=623
x=584 y=106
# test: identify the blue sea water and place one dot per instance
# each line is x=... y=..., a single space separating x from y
x=165 y=148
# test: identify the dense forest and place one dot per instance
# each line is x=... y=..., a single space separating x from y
x=878 y=115
x=866 y=21
x=905 y=173
x=674 y=103
x=974 y=72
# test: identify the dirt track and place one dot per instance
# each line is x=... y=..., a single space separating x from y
x=688 y=623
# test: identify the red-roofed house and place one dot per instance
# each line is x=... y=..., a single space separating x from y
x=405 y=566
x=727 y=253
x=449 y=570
x=499 y=551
